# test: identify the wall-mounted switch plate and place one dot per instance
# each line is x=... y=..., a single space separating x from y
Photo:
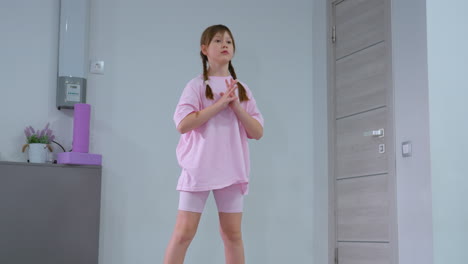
x=406 y=149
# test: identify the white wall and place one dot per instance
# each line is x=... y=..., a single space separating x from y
x=410 y=79
x=448 y=92
x=28 y=72
x=150 y=49
x=320 y=136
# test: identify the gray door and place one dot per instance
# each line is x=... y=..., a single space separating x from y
x=363 y=137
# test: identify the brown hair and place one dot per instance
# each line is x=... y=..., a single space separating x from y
x=206 y=38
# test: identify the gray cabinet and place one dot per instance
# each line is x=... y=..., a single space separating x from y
x=49 y=213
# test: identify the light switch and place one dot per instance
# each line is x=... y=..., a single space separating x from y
x=406 y=149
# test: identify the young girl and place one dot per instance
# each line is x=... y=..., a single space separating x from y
x=216 y=114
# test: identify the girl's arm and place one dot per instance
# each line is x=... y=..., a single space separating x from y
x=253 y=128
x=196 y=119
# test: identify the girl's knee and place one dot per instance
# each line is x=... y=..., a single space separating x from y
x=231 y=235
x=186 y=227
x=184 y=236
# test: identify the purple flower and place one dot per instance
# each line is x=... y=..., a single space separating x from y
x=27 y=132
x=43 y=136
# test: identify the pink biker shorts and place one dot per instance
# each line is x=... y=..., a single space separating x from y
x=228 y=200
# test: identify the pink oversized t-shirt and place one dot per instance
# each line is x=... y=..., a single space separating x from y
x=216 y=154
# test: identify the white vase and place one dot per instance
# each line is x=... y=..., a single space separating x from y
x=37 y=153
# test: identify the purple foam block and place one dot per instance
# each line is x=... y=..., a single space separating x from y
x=77 y=158
x=81 y=128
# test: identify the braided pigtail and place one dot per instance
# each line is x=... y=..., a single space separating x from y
x=242 y=92
x=208 y=91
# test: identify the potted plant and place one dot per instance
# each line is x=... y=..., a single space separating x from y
x=38 y=142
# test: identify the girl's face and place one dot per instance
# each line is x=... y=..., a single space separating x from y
x=220 y=50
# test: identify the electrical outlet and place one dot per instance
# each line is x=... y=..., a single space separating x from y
x=97 y=67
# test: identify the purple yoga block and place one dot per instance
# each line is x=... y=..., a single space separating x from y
x=79 y=158
x=81 y=128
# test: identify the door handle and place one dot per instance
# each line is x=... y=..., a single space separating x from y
x=375 y=133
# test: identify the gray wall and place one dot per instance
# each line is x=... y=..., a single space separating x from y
x=429 y=51
x=447 y=56
x=320 y=135
x=150 y=52
x=150 y=49
x=410 y=79
x=28 y=70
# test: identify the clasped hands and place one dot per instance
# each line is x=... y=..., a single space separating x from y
x=229 y=97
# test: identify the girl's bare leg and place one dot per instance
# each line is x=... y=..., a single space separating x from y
x=184 y=232
x=230 y=229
